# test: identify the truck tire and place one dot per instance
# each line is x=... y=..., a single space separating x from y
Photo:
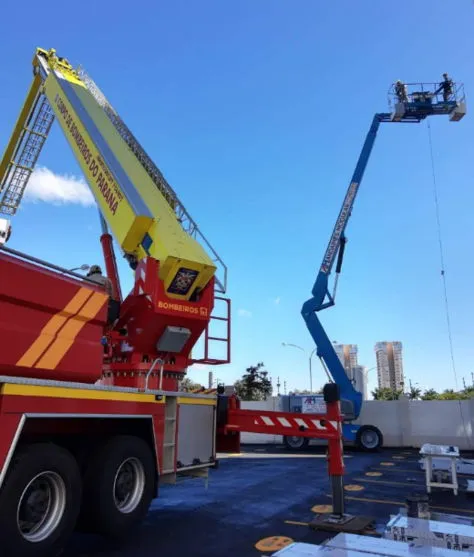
x=369 y=438
x=119 y=485
x=294 y=443
x=39 y=502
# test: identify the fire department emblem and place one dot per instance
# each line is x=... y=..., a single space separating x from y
x=183 y=281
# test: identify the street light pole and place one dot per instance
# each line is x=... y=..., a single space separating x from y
x=311 y=371
x=310 y=364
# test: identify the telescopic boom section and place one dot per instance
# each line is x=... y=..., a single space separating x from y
x=143 y=212
x=411 y=103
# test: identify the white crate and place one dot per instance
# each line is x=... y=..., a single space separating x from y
x=389 y=548
x=308 y=550
x=430 y=532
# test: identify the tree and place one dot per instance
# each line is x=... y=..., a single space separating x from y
x=414 y=393
x=254 y=384
x=307 y=392
x=430 y=394
x=386 y=394
x=450 y=394
x=188 y=385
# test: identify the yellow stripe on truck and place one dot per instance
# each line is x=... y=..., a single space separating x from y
x=70 y=331
x=62 y=392
x=48 y=332
x=199 y=401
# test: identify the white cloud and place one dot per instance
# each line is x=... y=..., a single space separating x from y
x=58 y=189
x=277 y=300
x=244 y=313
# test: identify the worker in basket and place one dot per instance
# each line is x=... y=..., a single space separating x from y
x=446 y=86
x=401 y=91
x=95 y=274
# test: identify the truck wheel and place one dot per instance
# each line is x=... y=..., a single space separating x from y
x=39 y=502
x=119 y=485
x=294 y=443
x=369 y=438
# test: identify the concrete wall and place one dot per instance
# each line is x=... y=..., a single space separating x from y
x=403 y=423
x=387 y=416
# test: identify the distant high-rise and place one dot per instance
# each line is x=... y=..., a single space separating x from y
x=389 y=365
x=347 y=354
x=360 y=380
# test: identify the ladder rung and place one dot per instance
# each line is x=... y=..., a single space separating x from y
x=169 y=444
x=44 y=136
x=220 y=318
x=27 y=168
x=218 y=338
x=168 y=471
x=170 y=419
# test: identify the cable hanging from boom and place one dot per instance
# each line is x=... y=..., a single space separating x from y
x=443 y=271
x=441 y=255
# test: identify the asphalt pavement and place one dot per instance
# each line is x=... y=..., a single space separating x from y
x=266 y=492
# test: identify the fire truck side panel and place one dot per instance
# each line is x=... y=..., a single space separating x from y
x=69 y=411
x=11 y=429
x=82 y=418
x=196 y=432
x=50 y=324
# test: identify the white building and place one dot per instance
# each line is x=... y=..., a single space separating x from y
x=389 y=365
x=347 y=354
x=360 y=380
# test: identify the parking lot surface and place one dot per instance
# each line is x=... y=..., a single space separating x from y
x=267 y=492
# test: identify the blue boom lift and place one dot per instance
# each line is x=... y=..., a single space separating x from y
x=411 y=103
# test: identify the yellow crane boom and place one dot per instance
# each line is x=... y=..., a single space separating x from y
x=142 y=210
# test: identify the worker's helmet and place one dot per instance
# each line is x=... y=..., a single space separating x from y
x=445 y=75
x=399 y=81
x=94 y=269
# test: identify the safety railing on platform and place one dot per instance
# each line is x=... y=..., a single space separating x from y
x=427 y=92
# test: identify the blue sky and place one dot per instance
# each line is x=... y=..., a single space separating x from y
x=256 y=112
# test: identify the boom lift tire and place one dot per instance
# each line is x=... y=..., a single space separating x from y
x=369 y=438
x=39 y=501
x=119 y=485
x=293 y=443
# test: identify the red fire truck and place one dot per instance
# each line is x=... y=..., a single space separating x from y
x=91 y=416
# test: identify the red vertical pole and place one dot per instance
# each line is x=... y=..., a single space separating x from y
x=336 y=455
x=335 y=449
x=111 y=265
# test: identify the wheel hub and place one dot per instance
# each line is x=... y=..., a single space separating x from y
x=129 y=485
x=370 y=439
x=41 y=506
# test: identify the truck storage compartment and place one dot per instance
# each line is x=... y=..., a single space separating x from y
x=51 y=324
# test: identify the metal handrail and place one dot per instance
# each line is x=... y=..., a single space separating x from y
x=458 y=94
x=150 y=371
x=46 y=264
